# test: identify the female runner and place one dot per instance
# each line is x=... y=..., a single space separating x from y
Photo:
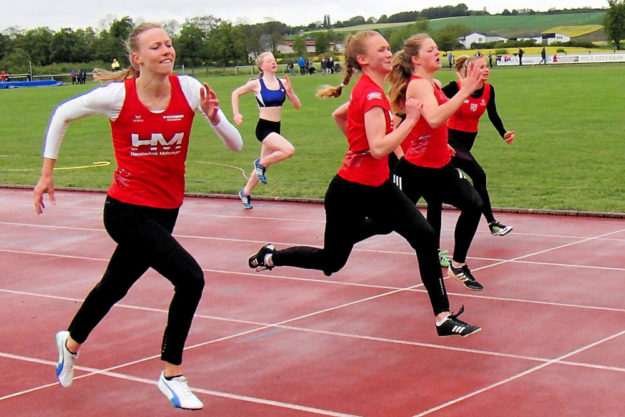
x=463 y=126
x=151 y=111
x=425 y=170
x=362 y=192
x=271 y=93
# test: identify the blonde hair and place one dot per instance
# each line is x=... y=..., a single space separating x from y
x=259 y=61
x=131 y=45
x=463 y=62
x=354 y=46
x=402 y=70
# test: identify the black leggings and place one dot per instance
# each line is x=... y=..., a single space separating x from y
x=467 y=163
x=144 y=240
x=438 y=186
x=351 y=210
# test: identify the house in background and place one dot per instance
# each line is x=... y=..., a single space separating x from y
x=286 y=47
x=545 y=38
x=478 y=37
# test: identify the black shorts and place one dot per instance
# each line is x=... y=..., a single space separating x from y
x=265 y=127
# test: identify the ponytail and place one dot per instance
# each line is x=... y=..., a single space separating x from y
x=402 y=71
x=100 y=74
x=131 y=46
x=330 y=91
x=398 y=78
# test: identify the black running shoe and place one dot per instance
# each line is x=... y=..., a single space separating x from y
x=452 y=326
x=463 y=274
x=258 y=259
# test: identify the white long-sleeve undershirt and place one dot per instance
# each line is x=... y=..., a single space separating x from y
x=108 y=100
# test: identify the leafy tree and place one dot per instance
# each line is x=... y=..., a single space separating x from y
x=299 y=46
x=614 y=21
x=447 y=37
x=36 y=43
x=322 y=43
x=62 y=48
x=4 y=45
x=118 y=33
x=190 y=45
x=226 y=44
x=85 y=42
x=251 y=39
x=17 y=60
x=275 y=31
x=397 y=38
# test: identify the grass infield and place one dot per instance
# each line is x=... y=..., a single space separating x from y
x=567 y=156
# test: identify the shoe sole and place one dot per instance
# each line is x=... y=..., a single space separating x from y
x=479 y=329
x=255 y=255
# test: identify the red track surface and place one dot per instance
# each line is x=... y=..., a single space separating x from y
x=295 y=343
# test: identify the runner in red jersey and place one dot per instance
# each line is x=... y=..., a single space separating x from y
x=425 y=170
x=151 y=112
x=463 y=127
x=361 y=194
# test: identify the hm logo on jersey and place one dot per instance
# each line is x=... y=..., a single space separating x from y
x=158 y=140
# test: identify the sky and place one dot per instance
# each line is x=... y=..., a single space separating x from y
x=29 y=14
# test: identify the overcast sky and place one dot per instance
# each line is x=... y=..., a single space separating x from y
x=29 y=14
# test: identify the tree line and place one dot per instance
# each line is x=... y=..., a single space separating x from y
x=208 y=40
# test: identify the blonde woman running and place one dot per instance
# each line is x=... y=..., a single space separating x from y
x=151 y=112
x=271 y=92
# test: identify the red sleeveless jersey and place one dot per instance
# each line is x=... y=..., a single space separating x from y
x=425 y=146
x=467 y=118
x=359 y=165
x=151 y=149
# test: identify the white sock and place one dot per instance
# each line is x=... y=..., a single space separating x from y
x=268 y=260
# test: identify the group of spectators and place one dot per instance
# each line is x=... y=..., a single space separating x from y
x=79 y=77
x=306 y=66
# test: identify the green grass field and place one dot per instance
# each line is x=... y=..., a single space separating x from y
x=508 y=26
x=567 y=154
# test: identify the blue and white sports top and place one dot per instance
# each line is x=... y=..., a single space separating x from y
x=270 y=98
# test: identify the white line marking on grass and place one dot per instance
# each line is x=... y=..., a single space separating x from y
x=224 y=166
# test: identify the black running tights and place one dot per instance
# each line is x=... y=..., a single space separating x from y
x=443 y=185
x=144 y=239
x=350 y=209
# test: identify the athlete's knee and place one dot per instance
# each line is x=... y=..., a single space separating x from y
x=479 y=179
x=193 y=282
x=289 y=150
x=196 y=279
x=334 y=265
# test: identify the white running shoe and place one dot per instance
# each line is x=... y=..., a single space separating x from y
x=179 y=393
x=65 y=367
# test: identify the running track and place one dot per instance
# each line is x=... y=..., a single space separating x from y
x=295 y=343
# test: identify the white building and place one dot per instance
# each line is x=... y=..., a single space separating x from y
x=286 y=47
x=477 y=37
x=546 y=38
